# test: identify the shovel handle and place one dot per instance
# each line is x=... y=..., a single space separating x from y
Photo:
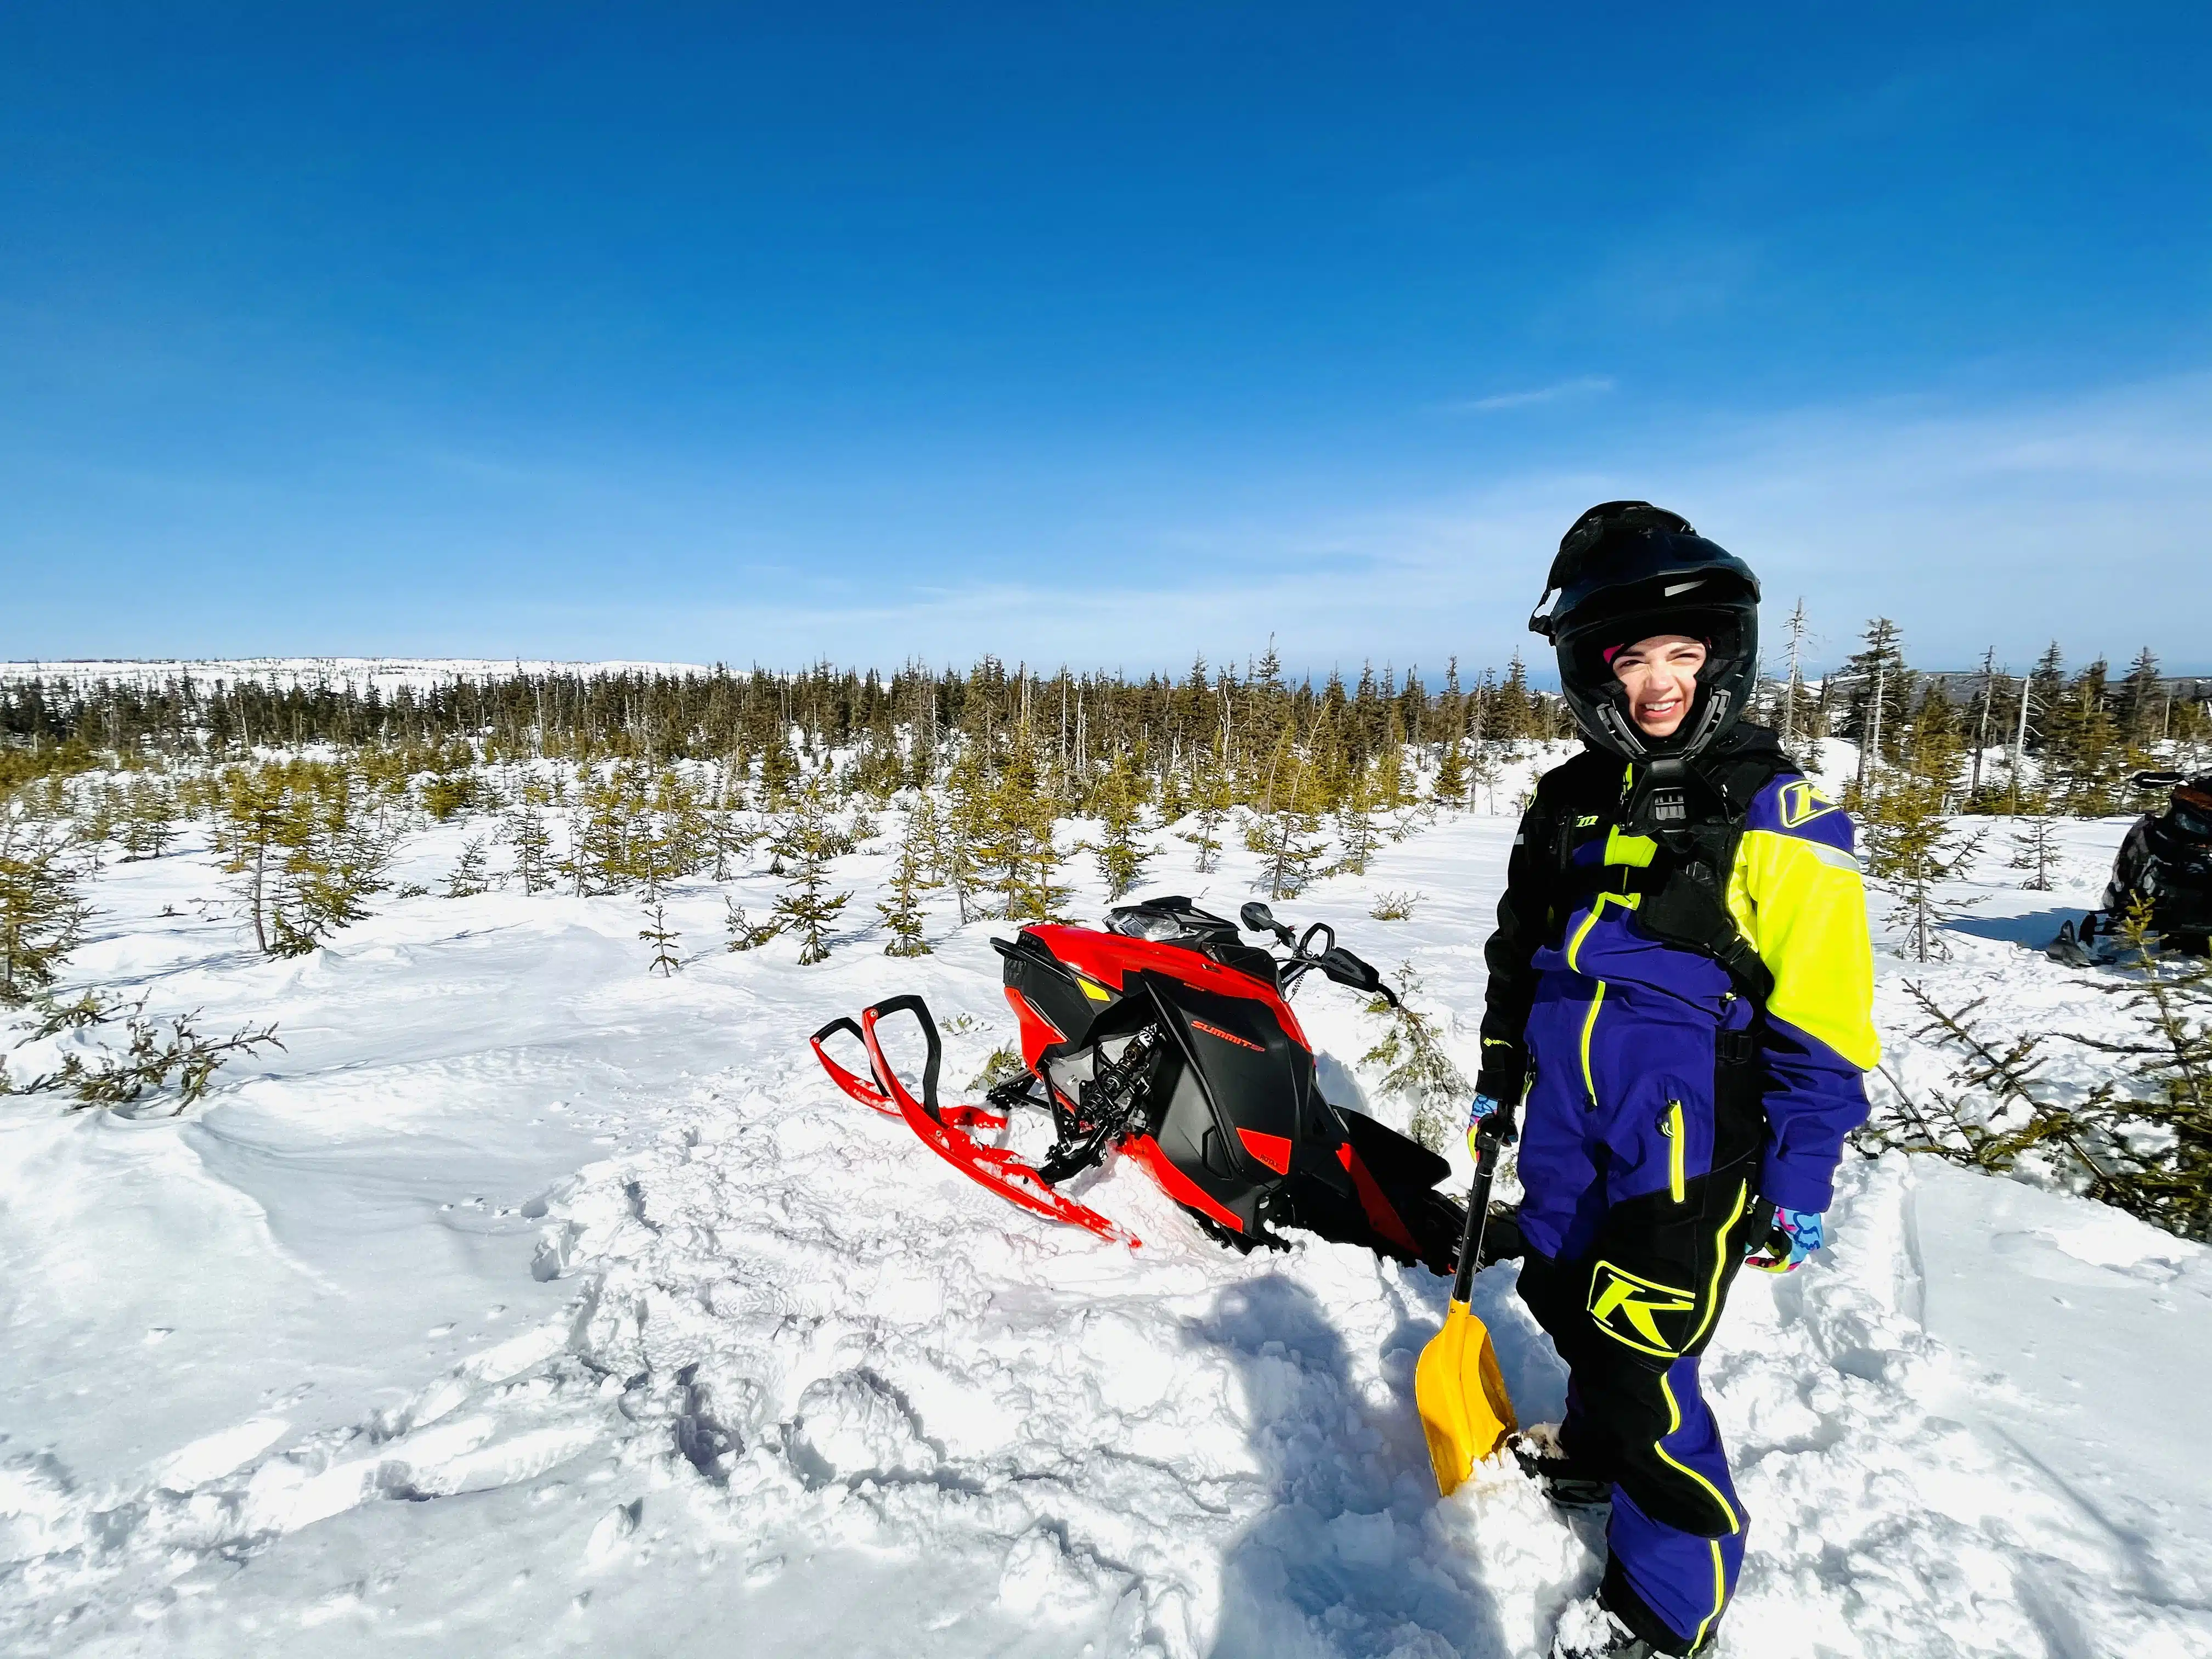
x=1487 y=1140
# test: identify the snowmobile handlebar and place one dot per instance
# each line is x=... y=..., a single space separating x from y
x=1333 y=960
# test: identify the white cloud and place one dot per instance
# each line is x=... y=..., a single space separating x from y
x=1582 y=386
x=2086 y=519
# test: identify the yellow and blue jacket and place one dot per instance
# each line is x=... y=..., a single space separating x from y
x=1647 y=1066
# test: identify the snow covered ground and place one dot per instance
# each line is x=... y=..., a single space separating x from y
x=526 y=1303
x=385 y=674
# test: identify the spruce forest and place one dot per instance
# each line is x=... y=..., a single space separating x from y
x=986 y=788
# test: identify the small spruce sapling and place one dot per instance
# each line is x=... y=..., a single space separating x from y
x=741 y=932
x=806 y=908
x=1285 y=831
x=470 y=875
x=1356 y=837
x=149 y=819
x=527 y=832
x=150 y=1057
x=1120 y=849
x=1912 y=849
x=965 y=831
x=1025 y=850
x=902 y=907
x=1211 y=799
x=42 y=909
x=1416 y=1067
x=2035 y=841
x=662 y=938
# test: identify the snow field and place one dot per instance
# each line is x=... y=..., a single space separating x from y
x=384 y=674
x=527 y=1303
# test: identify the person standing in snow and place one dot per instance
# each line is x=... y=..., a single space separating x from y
x=1682 y=987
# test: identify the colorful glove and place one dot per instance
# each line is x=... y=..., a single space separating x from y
x=1791 y=1236
x=1477 y=1114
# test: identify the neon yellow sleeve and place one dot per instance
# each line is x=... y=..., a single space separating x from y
x=1801 y=903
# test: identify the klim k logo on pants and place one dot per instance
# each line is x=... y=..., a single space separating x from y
x=1648 y=1316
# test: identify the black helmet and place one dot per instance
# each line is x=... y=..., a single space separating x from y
x=1628 y=570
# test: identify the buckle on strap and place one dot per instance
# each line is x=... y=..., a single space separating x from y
x=1737 y=1047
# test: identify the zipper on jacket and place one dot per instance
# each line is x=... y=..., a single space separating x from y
x=1678 y=1183
x=1628 y=900
x=1589 y=1030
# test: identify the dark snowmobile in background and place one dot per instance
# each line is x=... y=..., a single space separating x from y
x=1166 y=1037
x=2167 y=860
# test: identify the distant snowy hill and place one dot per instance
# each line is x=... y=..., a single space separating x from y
x=386 y=674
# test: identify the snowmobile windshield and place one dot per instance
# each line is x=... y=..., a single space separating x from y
x=1172 y=921
x=2192 y=813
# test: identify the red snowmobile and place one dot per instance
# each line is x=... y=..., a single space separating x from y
x=1167 y=1037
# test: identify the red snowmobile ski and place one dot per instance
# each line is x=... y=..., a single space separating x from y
x=1167 y=1037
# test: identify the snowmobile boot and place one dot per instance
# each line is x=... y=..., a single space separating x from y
x=1567 y=1484
x=2068 y=948
x=1590 y=1630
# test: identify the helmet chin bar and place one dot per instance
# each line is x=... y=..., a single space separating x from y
x=1629 y=741
x=1626 y=738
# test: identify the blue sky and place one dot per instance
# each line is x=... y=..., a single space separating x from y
x=1097 y=334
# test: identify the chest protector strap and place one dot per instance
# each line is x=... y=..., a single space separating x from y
x=1696 y=818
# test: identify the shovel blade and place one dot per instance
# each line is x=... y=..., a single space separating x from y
x=1461 y=1395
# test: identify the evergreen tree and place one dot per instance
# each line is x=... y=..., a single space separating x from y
x=1211 y=799
x=1390 y=786
x=1024 y=849
x=806 y=908
x=1119 y=850
x=1912 y=849
x=2035 y=841
x=257 y=827
x=901 y=910
x=2046 y=691
x=609 y=834
x=2142 y=704
x=335 y=859
x=1356 y=837
x=967 y=830
x=524 y=827
x=471 y=872
x=42 y=911
x=2084 y=753
x=149 y=819
x=672 y=834
x=1514 y=714
x=2161 y=1134
x=1416 y=1068
x=1285 y=832
x=742 y=932
x=778 y=769
x=1879 y=685
x=1450 y=786
x=662 y=938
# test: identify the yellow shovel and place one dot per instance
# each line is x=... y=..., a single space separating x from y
x=1461 y=1395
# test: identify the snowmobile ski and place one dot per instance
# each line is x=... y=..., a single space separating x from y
x=947 y=1131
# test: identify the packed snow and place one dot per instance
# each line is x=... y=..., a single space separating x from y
x=528 y=1302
